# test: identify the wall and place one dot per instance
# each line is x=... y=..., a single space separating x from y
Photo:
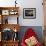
x=36 y=23
x=39 y=13
x=27 y=4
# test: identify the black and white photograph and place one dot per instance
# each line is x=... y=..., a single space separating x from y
x=29 y=13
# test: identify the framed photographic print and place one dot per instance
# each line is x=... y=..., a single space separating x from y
x=29 y=13
x=5 y=12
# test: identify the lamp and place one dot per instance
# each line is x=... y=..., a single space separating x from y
x=15 y=3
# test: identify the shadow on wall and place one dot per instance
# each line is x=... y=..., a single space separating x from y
x=37 y=29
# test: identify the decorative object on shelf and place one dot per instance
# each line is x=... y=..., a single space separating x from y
x=29 y=13
x=15 y=34
x=13 y=12
x=7 y=34
x=15 y=30
x=6 y=21
x=15 y=37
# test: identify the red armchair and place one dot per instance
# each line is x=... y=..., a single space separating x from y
x=30 y=34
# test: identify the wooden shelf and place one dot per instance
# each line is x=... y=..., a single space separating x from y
x=10 y=41
x=9 y=10
x=3 y=8
x=11 y=26
x=4 y=13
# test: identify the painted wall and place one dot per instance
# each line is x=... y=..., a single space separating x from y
x=27 y=4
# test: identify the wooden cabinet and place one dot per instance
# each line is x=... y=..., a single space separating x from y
x=9 y=25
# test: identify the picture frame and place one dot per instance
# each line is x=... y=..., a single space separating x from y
x=29 y=13
x=5 y=12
